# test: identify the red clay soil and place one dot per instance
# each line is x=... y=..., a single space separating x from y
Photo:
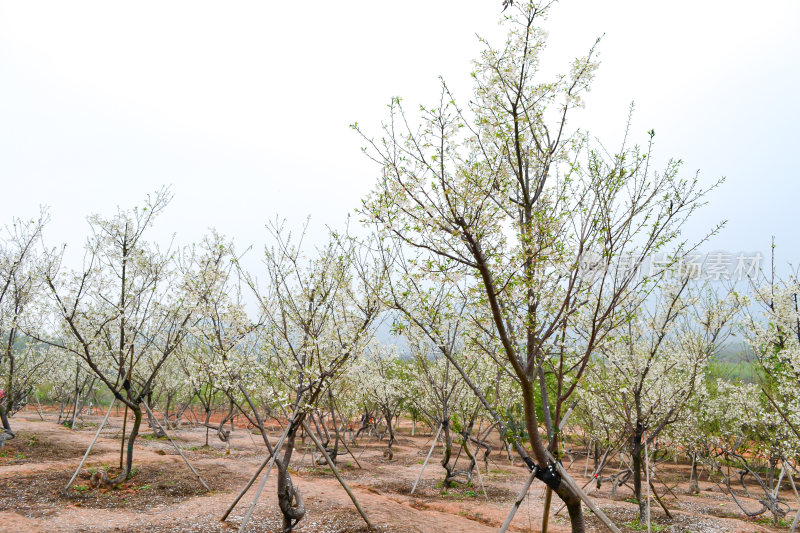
x=164 y=496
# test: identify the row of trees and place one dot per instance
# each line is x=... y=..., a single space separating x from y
x=311 y=353
x=504 y=247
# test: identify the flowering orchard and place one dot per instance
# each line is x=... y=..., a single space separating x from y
x=504 y=250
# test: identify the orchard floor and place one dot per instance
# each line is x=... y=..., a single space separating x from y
x=164 y=496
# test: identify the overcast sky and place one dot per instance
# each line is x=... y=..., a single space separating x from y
x=243 y=107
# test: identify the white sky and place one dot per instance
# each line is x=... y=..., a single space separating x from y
x=244 y=107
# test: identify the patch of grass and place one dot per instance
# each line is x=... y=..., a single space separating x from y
x=477 y=517
x=769 y=521
x=637 y=526
x=80 y=488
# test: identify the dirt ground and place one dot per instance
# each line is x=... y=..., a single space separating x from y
x=165 y=496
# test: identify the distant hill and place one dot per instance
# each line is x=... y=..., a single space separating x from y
x=735 y=362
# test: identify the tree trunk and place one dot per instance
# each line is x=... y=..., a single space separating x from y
x=6 y=433
x=101 y=477
x=574 y=508
x=596 y=455
x=208 y=418
x=74 y=409
x=694 y=486
x=389 y=454
x=290 y=499
x=447 y=437
x=636 y=459
x=137 y=422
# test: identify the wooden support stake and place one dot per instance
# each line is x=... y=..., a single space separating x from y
x=269 y=459
x=328 y=459
x=39 y=406
x=647 y=475
x=185 y=460
x=548 y=500
x=797 y=516
x=478 y=468
x=658 y=499
x=89 y=449
x=421 y=470
x=517 y=502
x=351 y=453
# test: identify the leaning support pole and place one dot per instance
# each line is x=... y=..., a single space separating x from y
x=39 y=407
x=658 y=499
x=797 y=516
x=795 y=522
x=565 y=478
x=351 y=453
x=548 y=500
x=259 y=490
x=327 y=457
x=647 y=475
x=89 y=449
x=588 y=453
x=517 y=502
x=421 y=470
x=269 y=459
x=176 y=446
x=478 y=469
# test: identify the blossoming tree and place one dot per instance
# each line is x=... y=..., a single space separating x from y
x=128 y=309
x=506 y=191
x=22 y=361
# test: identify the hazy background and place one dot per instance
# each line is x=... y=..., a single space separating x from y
x=243 y=107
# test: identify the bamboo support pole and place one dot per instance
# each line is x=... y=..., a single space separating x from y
x=328 y=459
x=269 y=459
x=185 y=460
x=89 y=449
x=421 y=470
